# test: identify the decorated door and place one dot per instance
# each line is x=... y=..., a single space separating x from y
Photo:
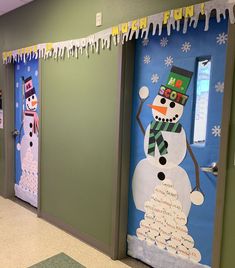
x=26 y=131
x=175 y=142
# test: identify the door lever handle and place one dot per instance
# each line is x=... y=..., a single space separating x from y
x=15 y=133
x=213 y=169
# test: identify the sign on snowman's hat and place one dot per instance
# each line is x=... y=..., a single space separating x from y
x=28 y=87
x=177 y=85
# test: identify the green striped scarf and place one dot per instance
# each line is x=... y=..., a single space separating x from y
x=156 y=138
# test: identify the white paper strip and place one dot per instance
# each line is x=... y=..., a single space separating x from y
x=154 y=23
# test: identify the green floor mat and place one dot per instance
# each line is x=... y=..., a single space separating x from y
x=58 y=261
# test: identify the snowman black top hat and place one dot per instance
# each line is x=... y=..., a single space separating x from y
x=28 y=87
x=177 y=85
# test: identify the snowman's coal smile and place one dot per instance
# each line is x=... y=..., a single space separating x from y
x=167 y=119
x=30 y=108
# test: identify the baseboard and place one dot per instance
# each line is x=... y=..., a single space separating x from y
x=72 y=231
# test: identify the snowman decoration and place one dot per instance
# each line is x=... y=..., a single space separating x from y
x=161 y=188
x=27 y=188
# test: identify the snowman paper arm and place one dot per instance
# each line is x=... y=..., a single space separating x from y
x=143 y=94
x=197 y=196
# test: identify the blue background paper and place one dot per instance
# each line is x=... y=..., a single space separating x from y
x=203 y=44
x=27 y=69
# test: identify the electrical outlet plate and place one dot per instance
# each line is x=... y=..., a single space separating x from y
x=98 y=19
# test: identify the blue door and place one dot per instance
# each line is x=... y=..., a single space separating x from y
x=175 y=142
x=26 y=131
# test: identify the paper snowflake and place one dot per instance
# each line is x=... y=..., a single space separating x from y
x=147 y=59
x=28 y=68
x=154 y=78
x=17 y=104
x=18 y=146
x=145 y=42
x=17 y=84
x=169 y=61
x=222 y=38
x=36 y=73
x=164 y=42
x=18 y=67
x=216 y=131
x=219 y=87
x=186 y=47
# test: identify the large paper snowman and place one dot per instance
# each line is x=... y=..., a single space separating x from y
x=28 y=184
x=165 y=145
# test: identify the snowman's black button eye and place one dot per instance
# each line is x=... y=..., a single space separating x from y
x=172 y=104
x=162 y=160
x=32 y=97
x=161 y=176
x=163 y=100
x=28 y=99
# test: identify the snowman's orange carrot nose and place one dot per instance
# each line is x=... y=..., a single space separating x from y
x=160 y=109
x=34 y=103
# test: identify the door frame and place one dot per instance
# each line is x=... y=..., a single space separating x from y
x=9 y=125
x=121 y=184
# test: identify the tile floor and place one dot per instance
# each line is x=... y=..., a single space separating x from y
x=26 y=240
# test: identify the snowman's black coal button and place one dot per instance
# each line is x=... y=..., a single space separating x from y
x=176 y=115
x=31 y=144
x=162 y=160
x=174 y=118
x=30 y=134
x=161 y=176
x=163 y=120
x=156 y=117
x=166 y=144
x=30 y=125
x=167 y=120
x=170 y=120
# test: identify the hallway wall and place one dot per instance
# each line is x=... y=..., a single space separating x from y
x=79 y=111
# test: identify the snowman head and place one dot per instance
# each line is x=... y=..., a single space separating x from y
x=169 y=104
x=166 y=110
x=32 y=103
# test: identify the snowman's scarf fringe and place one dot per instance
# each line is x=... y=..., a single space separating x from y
x=156 y=138
x=35 y=120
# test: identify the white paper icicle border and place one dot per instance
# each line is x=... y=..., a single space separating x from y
x=126 y=31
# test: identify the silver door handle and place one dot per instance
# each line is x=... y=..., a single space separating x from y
x=15 y=133
x=212 y=169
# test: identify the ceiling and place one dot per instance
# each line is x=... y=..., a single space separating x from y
x=8 y=5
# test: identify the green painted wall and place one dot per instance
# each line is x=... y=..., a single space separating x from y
x=79 y=110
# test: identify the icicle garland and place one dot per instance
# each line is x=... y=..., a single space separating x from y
x=126 y=31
